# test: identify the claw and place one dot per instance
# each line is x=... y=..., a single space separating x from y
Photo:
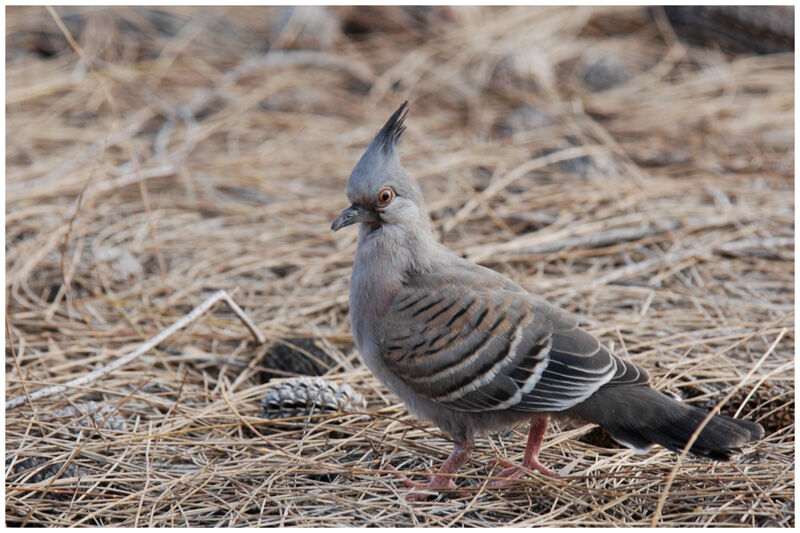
x=530 y=460
x=436 y=482
x=408 y=482
x=516 y=472
x=495 y=461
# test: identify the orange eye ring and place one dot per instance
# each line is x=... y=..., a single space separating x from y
x=385 y=196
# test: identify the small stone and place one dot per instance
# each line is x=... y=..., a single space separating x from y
x=121 y=263
x=606 y=72
x=525 y=118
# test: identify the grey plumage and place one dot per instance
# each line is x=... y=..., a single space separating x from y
x=470 y=350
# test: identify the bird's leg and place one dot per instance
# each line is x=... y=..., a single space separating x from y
x=531 y=458
x=438 y=481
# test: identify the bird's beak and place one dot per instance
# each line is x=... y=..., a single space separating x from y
x=351 y=215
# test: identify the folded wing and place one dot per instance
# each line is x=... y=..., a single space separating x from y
x=492 y=349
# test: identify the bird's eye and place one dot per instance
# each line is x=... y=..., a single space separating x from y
x=385 y=196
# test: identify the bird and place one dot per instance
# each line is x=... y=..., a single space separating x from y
x=471 y=351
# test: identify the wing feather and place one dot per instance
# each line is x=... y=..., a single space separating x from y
x=477 y=349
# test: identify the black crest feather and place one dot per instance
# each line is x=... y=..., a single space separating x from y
x=387 y=138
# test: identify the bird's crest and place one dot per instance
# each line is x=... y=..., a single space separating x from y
x=386 y=139
x=380 y=164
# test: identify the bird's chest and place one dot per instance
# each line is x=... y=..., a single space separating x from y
x=377 y=278
x=369 y=297
x=371 y=294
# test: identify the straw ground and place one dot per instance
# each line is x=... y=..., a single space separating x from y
x=641 y=182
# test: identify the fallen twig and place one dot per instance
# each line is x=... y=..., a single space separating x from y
x=604 y=238
x=193 y=315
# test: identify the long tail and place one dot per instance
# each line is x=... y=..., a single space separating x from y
x=639 y=416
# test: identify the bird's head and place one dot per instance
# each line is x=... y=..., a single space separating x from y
x=380 y=191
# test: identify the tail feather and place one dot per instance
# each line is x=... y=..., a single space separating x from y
x=639 y=416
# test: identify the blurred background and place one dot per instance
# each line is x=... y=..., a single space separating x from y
x=633 y=165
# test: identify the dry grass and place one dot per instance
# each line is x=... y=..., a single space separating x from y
x=184 y=159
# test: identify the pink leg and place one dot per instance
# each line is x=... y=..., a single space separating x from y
x=531 y=458
x=438 y=482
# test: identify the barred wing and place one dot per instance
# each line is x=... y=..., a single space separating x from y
x=477 y=350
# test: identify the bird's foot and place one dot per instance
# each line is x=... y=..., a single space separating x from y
x=512 y=472
x=435 y=483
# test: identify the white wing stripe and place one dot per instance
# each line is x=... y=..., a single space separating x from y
x=490 y=374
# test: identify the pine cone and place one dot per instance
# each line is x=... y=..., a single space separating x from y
x=300 y=356
x=22 y=468
x=302 y=396
x=88 y=415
